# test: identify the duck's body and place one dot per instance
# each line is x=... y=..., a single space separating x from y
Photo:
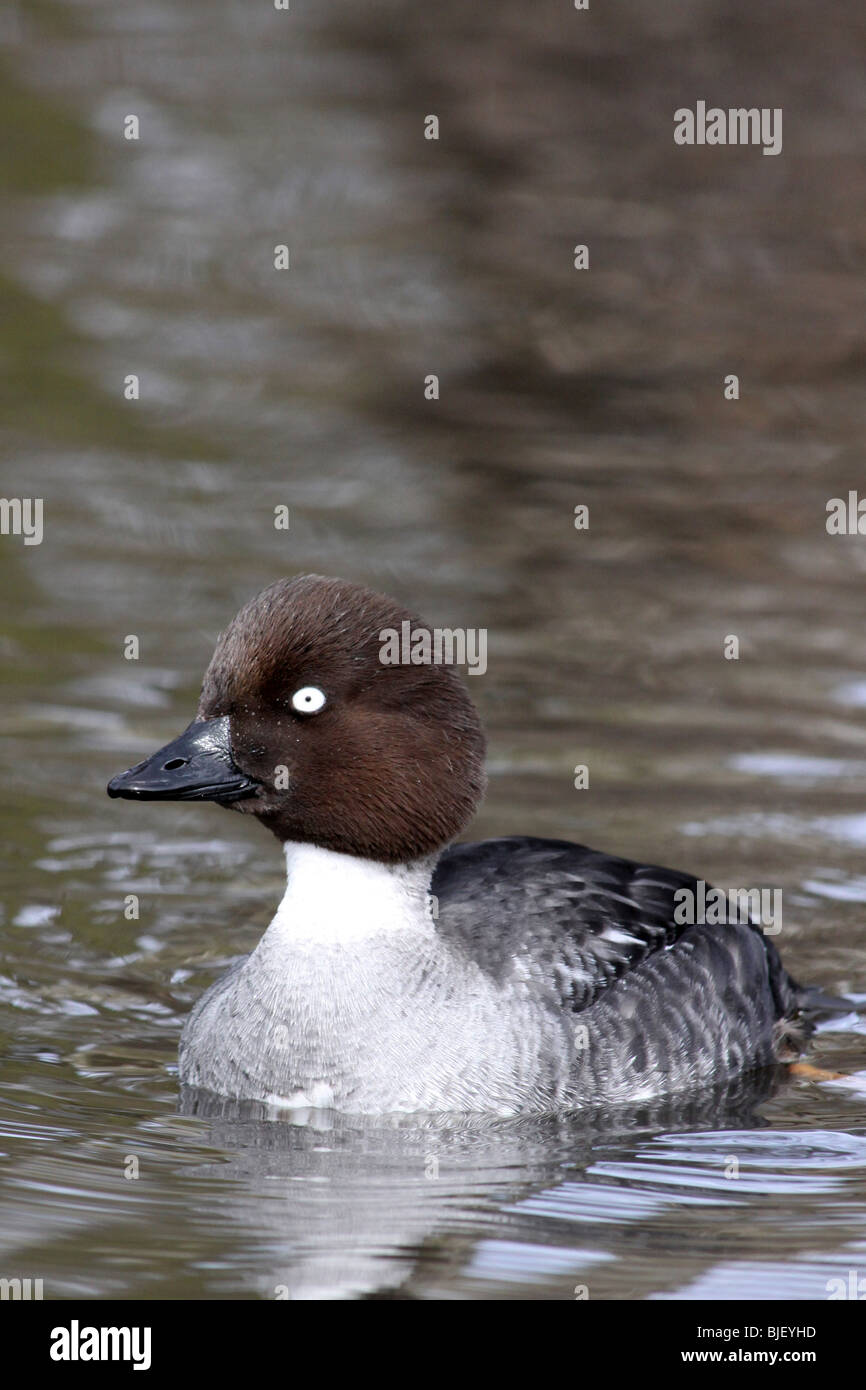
x=509 y=976
x=538 y=976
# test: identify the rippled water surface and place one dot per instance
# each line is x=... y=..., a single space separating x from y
x=305 y=388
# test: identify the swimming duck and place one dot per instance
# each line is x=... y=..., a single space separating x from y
x=403 y=971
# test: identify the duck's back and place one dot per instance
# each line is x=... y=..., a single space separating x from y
x=659 y=1004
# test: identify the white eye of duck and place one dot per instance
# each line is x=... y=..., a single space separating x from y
x=308 y=700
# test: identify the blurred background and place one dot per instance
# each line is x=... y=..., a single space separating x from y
x=305 y=388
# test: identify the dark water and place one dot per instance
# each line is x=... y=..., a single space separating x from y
x=305 y=388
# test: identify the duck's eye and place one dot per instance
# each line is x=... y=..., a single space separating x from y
x=308 y=700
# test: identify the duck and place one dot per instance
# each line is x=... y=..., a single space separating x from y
x=406 y=970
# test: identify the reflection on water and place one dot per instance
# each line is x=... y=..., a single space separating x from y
x=306 y=389
x=357 y=1200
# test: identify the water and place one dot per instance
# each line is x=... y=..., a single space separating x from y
x=305 y=389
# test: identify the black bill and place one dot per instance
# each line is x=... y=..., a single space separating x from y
x=197 y=766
